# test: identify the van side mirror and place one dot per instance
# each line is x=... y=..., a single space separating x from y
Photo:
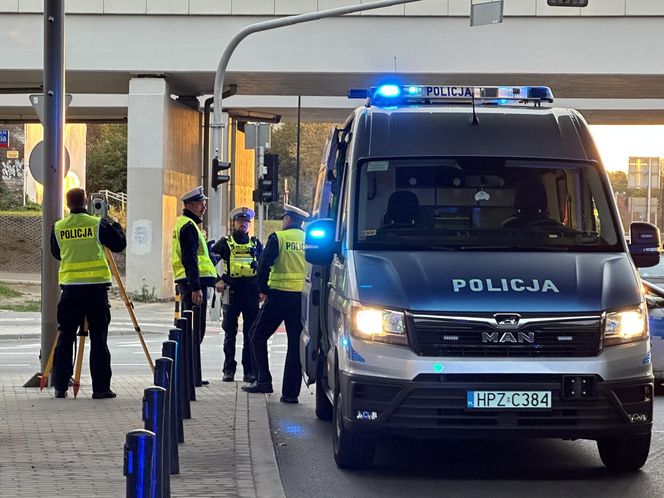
x=645 y=244
x=320 y=246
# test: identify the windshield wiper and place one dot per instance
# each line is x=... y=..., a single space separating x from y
x=513 y=247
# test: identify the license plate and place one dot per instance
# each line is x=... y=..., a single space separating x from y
x=508 y=399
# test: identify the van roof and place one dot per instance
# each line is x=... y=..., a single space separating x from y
x=552 y=133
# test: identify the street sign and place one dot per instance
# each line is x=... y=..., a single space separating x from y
x=257 y=135
x=4 y=139
x=36 y=162
x=37 y=101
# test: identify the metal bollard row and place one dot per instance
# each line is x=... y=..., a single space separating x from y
x=151 y=455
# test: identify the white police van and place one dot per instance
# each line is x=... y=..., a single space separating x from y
x=468 y=277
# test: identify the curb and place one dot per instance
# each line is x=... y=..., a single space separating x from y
x=264 y=469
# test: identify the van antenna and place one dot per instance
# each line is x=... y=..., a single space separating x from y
x=395 y=65
x=474 y=121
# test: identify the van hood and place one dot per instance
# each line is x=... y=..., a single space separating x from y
x=496 y=282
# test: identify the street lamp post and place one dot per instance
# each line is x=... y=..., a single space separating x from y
x=217 y=125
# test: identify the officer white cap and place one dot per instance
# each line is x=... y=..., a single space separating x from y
x=295 y=212
x=242 y=212
x=196 y=194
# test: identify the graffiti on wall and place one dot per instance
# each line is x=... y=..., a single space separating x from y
x=12 y=176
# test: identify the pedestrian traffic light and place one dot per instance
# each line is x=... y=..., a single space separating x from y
x=217 y=168
x=268 y=184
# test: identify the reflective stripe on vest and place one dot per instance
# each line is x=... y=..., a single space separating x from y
x=287 y=272
x=240 y=262
x=82 y=256
x=205 y=266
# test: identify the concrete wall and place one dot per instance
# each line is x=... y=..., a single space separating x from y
x=288 y=7
x=163 y=162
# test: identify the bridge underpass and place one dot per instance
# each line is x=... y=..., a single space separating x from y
x=125 y=67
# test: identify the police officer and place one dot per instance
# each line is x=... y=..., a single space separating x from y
x=78 y=241
x=280 y=283
x=193 y=269
x=240 y=254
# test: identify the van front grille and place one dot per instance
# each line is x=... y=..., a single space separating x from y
x=431 y=335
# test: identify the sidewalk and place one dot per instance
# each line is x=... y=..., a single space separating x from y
x=74 y=448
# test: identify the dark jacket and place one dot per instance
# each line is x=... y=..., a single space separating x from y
x=111 y=235
x=267 y=259
x=238 y=284
x=189 y=248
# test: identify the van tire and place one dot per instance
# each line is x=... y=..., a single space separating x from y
x=324 y=408
x=350 y=450
x=659 y=387
x=624 y=454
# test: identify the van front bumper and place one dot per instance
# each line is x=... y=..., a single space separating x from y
x=435 y=405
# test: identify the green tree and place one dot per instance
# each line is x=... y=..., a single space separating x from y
x=618 y=181
x=312 y=143
x=106 y=157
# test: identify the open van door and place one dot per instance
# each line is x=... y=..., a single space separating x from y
x=311 y=293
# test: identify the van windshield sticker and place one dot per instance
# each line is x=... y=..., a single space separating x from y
x=378 y=165
x=503 y=285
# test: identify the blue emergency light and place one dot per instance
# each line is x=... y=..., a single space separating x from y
x=317 y=233
x=391 y=94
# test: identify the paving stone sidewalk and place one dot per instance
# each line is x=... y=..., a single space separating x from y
x=74 y=448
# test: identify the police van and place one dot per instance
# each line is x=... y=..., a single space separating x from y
x=468 y=277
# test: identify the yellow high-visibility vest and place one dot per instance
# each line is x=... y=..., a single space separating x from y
x=287 y=272
x=239 y=263
x=82 y=256
x=205 y=266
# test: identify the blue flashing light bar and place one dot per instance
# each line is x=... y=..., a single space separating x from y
x=391 y=94
x=317 y=233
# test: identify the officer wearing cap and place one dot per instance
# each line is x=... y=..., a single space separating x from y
x=193 y=269
x=78 y=241
x=240 y=254
x=280 y=282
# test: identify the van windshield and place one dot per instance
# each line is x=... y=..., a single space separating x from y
x=480 y=203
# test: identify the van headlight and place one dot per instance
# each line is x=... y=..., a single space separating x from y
x=625 y=326
x=377 y=324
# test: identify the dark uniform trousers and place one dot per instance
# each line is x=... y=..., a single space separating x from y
x=246 y=304
x=280 y=306
x=185 y=301
x=78 y=302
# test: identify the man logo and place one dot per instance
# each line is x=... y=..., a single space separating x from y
x=507 y=320
x=508 y=337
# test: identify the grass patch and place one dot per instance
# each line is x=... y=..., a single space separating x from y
x=27 y=306
x=23 y=214
x=6 y=291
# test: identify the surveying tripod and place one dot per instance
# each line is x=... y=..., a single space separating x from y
x=83 y=333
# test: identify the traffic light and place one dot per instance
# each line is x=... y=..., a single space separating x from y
x=217 y=168
x=268 y=184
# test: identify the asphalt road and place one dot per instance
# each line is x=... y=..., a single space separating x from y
x=452 y=468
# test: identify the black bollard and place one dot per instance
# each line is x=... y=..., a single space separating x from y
x=196 y=341
x=185 y=325
x=169 y=350
x=153 y=414
x=162 y=378
x=177 y=335
x=138 y=454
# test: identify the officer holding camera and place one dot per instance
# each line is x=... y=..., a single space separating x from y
x=239 y=287
x=78 y=241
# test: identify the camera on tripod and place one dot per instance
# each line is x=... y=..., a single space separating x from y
x=98 y=205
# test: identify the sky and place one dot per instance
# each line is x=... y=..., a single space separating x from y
x=617 y=143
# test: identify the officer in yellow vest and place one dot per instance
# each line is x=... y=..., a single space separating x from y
x=280 y=283
x=84 y=276
x=193 y=269
x=240 y=254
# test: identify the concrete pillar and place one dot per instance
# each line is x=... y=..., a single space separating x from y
x=163 y=162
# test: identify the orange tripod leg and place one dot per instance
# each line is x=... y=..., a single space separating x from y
x=82 y=334
x=43 y=379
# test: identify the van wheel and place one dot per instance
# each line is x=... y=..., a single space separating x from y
x=624 y=454
x=350 y=451
x=324 y=408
